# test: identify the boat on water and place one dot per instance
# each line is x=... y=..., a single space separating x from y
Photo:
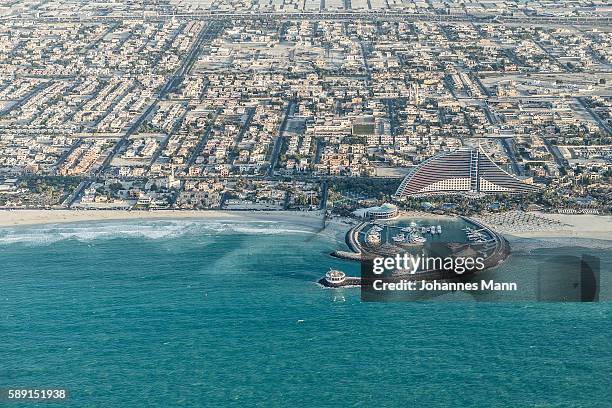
x=439 y=229
x=373 y=238
x=413 y=224
x=475 y=235
x=399 y=238
x=416 y=239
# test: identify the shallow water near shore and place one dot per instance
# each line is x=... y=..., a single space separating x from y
x=218 y=313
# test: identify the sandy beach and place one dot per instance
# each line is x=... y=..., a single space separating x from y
x=545 y=225
x=10 y=218
x=526 y=225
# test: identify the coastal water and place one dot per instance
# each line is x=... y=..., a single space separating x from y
x=210 y=313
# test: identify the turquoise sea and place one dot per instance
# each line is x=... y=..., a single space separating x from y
x=192 y=313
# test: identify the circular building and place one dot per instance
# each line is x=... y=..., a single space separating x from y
x=384 y=212
x=335 y=276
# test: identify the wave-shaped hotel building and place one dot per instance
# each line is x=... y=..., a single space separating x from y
x=466 y=170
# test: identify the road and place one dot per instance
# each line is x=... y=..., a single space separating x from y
x=364 y=58
x=393 y=120
x=113 y=104
x=485 y=90
x=198 y=149
x=368 y=15
x=164 y=143
x=67 y=153
x=171 y=84
x=559 y=159
x=36 y=90
x=207 y=32
x=510 y=153
x=553 y=57
x=279 y=140
x=324 y=194
x=450 y=86
x=250 y=112
x=602 y=125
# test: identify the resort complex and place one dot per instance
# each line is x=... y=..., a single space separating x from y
x=303 y=105
x=198 y=199
x=466 y=170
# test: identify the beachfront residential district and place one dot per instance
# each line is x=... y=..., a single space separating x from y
x=306 y=105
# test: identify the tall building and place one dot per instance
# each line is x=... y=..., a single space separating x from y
x=466 y=170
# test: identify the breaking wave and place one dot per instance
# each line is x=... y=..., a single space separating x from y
x=153 y=230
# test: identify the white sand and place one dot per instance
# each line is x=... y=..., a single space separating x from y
x=560 y=226
x=31 y=217
x=578 y=226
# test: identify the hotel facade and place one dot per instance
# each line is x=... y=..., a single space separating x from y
x=466 y=170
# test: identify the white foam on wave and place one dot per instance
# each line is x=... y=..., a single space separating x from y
x=153 y=230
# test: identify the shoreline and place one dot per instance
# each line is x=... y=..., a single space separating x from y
x=561 y=234
x=571 y=225
x=335 y=227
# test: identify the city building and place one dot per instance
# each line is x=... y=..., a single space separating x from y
x=466 y=170
x=384 y=212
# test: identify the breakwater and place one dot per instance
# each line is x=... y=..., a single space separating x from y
x=497 y=249
x=353 y=256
